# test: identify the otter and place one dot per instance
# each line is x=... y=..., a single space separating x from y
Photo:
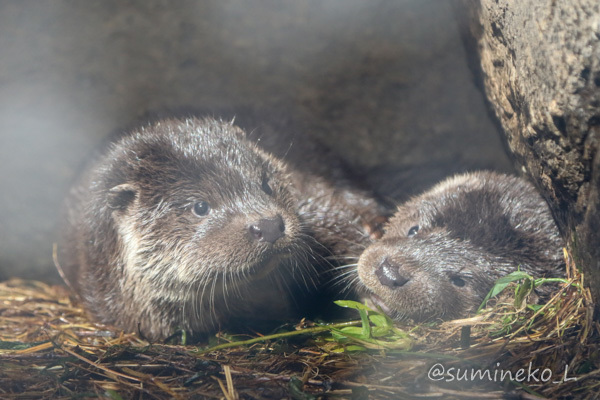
x=443 y=250
x=188 y=224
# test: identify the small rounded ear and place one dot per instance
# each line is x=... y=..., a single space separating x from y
x=239 y=132
x=375 y=226
x=121 y=196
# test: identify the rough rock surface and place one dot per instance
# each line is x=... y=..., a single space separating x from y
x=539 y=62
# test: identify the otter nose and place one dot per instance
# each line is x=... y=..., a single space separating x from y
x=267 y=229
x=389 y=275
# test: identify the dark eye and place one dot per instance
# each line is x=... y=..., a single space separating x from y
x=413 y=231
x=265 y=186
x=201 y=208
x=456 y=281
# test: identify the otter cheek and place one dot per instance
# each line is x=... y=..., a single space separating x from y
x=454 y=301
x=470 y=299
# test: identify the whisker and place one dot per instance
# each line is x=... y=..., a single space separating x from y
x=345 y=266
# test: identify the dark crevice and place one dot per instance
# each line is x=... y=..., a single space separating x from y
x=585 y=74
x=497 y=33
x=560 y=123
x=594 y=121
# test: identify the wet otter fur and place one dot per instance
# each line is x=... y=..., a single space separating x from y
x=443 y=250
x=187 y=224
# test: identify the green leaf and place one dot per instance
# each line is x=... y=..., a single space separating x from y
x=366 y=326
x=355 y=347
x=501 y=284
x=355 y=331
x=535 y=307
x=380 y=320
x=352 y=304
x=352 y=347
x=380 y=331
x=522 y=291
x=112 y=394
x=377 y=331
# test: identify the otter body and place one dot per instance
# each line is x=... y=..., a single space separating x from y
x=443 y=250
x=188 y=224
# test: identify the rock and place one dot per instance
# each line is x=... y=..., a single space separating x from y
x=539 y=63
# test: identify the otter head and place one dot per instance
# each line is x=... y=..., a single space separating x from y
x=422 y=272
x=204 y=223
x=443 y=250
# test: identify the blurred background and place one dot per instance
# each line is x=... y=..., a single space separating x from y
x=385 y=83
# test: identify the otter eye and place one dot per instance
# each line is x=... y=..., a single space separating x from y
x=201 y=208
x=456 y=281
x=413 y=231
x=265 y=186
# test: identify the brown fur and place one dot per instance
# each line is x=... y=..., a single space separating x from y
x=472 y=229
x=135 y=249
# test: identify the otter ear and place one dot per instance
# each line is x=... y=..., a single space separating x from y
x=237 y=131
x=121 y=196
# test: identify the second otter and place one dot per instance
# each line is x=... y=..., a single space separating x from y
x=443 y=250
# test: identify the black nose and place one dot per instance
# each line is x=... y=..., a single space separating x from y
x=389 y=275
x=267 y=229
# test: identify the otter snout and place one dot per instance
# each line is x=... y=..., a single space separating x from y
x=267 y=229
x=389 y=274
